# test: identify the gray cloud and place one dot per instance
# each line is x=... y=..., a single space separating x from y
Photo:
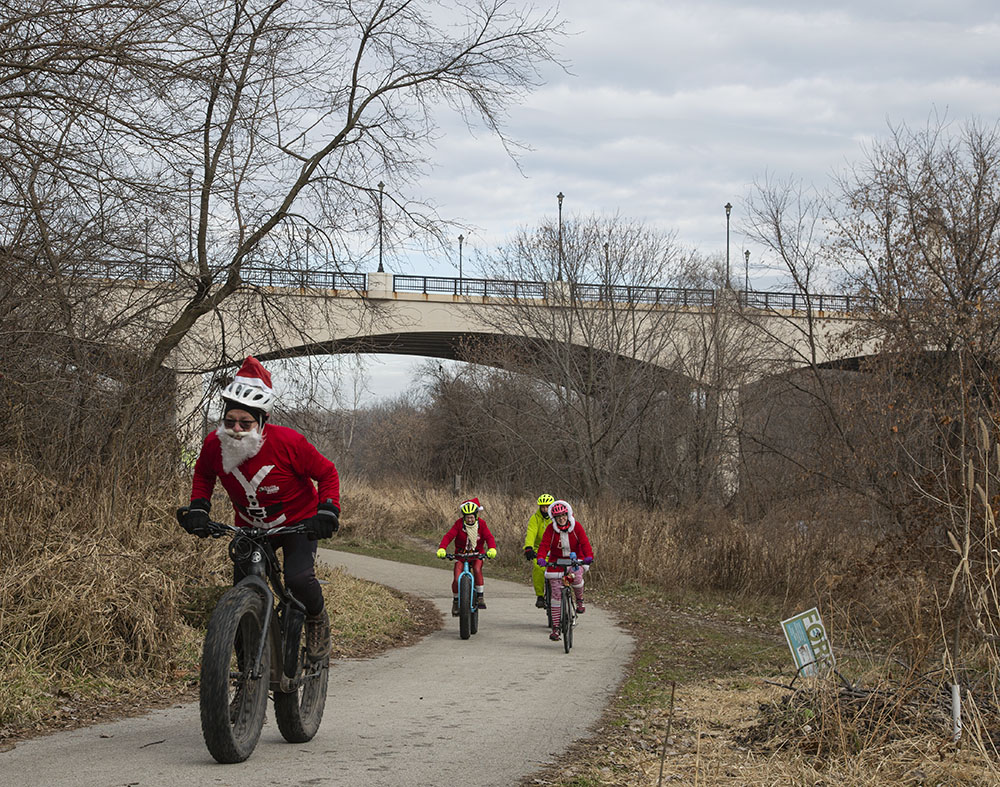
x=669 y=110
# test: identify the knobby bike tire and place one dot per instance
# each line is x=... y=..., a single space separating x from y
x=474 y=618
x=465 y=606
x=566 y=621
x=233 y=704
x=299 y=712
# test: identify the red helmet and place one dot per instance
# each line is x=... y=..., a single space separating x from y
x=558 y=509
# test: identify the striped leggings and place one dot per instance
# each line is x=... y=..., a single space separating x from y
x=556 y=586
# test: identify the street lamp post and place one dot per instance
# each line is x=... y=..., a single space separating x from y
x=559 y=197
x=381 y=188
x=729 y=209
x=746 y=271
x=461 y=238
x=190 y=219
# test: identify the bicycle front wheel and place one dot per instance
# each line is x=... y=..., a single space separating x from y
x=566 y=622
x=233 y=700
x=300 y=711
x=465 y=606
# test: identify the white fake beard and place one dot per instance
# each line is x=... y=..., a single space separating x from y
x=237 y=447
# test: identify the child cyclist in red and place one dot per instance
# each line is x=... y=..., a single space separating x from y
x=470 y=534
x=564 y=536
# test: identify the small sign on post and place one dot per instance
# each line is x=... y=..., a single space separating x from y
x=807 y=640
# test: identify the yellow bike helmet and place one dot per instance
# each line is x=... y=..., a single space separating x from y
x=546 y=500
x=469 y=507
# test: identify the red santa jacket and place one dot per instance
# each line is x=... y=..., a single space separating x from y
x=551 y=548
x=275 y=487
x=457 y=532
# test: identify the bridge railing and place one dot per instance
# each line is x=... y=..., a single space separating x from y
x=797 y=301
x=668 y=296
x=500 y=288
x=290 y=277
x=487 y=288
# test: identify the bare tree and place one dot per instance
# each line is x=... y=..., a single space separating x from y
x=613 y=352
x=202 y=142
x=193 y=147
x=913 y=228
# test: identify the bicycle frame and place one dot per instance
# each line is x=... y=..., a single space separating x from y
x=253 y=554
x=466 y=571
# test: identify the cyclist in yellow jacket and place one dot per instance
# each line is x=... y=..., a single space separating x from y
x=536 y=527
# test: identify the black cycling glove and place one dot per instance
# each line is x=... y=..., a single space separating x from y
x=195 y=520
x=325 y=523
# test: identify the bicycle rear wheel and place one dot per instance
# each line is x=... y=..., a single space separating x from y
x=566 y=622
x=232 y=701
x=465 y=606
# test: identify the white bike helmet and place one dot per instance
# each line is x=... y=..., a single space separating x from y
x=250 y=389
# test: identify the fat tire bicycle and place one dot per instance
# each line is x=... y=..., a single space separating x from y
x=468 y=611
x=255 y=642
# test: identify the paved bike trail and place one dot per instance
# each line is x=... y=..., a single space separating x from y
x=484 y=711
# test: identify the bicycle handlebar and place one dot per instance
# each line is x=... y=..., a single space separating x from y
x=568 y=562
x=219 y=529
x=466 y=556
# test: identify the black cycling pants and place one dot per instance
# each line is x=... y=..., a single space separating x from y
x=299 y=558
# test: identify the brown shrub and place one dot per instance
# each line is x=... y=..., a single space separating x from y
x=90 y=584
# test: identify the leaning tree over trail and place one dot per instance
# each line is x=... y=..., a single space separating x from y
x=171 y=140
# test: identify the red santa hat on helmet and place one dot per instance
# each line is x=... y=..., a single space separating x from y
x=254 y=374
x=250 y=389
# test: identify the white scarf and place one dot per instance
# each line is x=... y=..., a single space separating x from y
x=472 y=534
x=564 y=537
x=237 y=447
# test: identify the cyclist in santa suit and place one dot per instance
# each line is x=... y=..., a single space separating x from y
x=271 y=474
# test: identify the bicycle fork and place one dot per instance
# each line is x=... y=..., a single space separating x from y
x=267 y=597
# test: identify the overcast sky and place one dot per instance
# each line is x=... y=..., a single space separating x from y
x=668 y=110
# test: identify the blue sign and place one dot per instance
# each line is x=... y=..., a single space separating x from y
x=807 y=640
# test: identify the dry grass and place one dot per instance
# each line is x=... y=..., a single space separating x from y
x=87 y=601
x=705 y=550
x=729 y=726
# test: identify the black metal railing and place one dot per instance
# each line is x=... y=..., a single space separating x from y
x=797 y=301
x=665 y=296
x=487 y=288
x=305 y=279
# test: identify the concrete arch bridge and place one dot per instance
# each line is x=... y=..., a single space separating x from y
x=685 y=332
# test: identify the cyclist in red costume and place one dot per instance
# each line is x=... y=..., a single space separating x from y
x=562 y=538
x=470 y=534
x=269 y=471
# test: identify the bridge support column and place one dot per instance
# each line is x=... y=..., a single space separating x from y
x=191 y=414
x=729 y=440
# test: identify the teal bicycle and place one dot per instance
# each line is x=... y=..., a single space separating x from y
x=468 y=612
